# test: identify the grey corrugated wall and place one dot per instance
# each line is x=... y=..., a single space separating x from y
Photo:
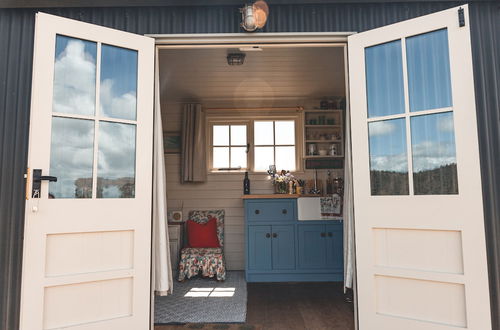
x=16 y=48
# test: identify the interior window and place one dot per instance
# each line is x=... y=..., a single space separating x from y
x=274 y=144
x=229 y=147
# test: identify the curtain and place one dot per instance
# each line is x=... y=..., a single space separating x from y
x=193 y=167
x=162 y=266
x=348 y=211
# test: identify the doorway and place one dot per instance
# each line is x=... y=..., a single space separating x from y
x=277 y=79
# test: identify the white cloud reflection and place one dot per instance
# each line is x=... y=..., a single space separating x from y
x=379 y=128
x=117 y=106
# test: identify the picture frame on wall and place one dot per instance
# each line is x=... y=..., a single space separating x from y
x=172 y=142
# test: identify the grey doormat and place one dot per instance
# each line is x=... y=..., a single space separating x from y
x=200 y=300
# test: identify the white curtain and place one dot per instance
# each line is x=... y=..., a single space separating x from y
x=348 y=209
x=162 y=266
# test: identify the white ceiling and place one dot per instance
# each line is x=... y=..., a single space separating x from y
x=270 y=75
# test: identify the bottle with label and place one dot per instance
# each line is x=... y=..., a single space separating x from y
x=246 y=185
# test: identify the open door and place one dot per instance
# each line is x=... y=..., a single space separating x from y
x=420 y=242
x=88 y=212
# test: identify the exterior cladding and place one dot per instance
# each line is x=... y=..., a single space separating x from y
x=16 y=36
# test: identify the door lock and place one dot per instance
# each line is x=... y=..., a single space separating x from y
x=37 y=182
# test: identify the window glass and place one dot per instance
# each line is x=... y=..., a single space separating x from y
x=221 y=157
x=238 y=135
x=116 y=160
x=238 y=157
x=384 y=79
x=264 y=156
x=285 y=158
x=433 y=152
x=263 y=133
x=118 y=90
x=284 y=132
x=71 y=158
x=388 y=157
x=74 y=76
x=429 y=80
x=220 y=135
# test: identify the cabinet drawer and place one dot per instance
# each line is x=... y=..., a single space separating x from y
x=277 y=210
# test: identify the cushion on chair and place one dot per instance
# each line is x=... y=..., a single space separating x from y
x=202 y=235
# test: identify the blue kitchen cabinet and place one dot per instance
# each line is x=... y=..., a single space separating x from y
x=312 y=246
x=259 y=248
x=283 y=246
x=280 y=248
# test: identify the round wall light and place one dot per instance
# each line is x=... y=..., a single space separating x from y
x=254 y=16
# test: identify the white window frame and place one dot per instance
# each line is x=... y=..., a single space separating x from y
x=244 y=118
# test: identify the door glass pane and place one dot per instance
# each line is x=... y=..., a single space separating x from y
x=264 y=156
x=116 y=161
x=238 y=135
x=384 y=79
x=388 y=157
x=263 y=133
x=433 y=152
x=285 y=158
x=221 y=135
x=429 y=82
x=71 y=158
x=239 y=157
x=221 y=157
x=118 y=91
x=74 y=76
x=285 y=132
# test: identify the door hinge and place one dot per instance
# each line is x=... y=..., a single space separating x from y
x=461 y=17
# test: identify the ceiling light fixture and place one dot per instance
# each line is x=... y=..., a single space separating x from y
x=254 y=16
x=235 y=58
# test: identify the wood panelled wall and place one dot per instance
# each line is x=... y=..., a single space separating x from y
x=221 y=191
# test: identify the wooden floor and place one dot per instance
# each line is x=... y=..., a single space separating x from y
x=290 y=306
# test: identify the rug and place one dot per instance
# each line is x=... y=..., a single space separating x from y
x=200 y=300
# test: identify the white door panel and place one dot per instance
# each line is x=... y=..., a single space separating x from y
x=87 y=245
x=420 y=246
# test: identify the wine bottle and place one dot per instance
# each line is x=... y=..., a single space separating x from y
x=246 y=185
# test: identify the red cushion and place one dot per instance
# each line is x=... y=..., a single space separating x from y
x=202 y=235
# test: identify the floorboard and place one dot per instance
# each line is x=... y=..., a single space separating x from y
x=290 y=306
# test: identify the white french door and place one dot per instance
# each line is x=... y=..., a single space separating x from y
x=420 y=241
x=87 y=236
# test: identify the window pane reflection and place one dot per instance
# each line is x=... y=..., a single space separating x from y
x=116 y=161
x=74 y=76
x=384 y=79
x=238 y=157
x=263 y=133
x=71 y=158
x=388 y=157
x=118 y=91
x=264 y=156
x=433 y=152
x=429 y=82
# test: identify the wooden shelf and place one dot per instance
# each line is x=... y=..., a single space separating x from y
x=324 y=141
x=324 y=126
x=323 y=111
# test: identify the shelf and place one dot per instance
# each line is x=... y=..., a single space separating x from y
x=323 y=111
x=323 y=141
x=327 y=156
x=324 y=126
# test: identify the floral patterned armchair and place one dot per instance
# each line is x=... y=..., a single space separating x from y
x=209 y=261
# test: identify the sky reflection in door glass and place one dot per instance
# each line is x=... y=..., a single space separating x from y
x=433 y=152
x=74 y=76
x=116 y=160
x=118 y=90
x=388 y=157
x=71 y=158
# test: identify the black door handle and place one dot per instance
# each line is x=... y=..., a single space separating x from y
x=37 y=182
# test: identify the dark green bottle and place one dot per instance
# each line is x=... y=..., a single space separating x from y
x=246 y=185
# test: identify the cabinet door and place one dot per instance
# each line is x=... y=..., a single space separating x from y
x=283 y=247
x=334 y=247
x=259 y=248
x=312 y=246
